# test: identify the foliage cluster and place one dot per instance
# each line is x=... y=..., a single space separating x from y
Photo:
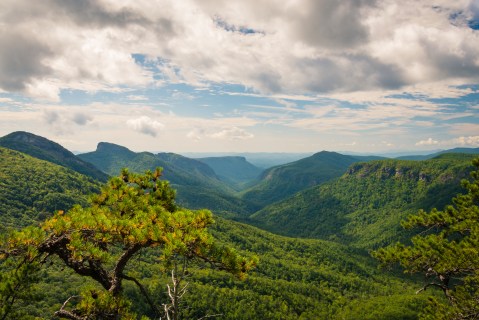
x=294 y=279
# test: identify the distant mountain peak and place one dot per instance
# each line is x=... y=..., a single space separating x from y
x=111 y=147
x=33 y=139
x=325 y=153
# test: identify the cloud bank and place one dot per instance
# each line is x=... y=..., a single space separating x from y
x=302 y=46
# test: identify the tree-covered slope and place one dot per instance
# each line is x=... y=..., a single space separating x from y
x=31 y=189
x=196 y=183
x=186 y=171
x=236 y=171
x=45 y=149
x=300 y=279
x=365 y=206
x=280 y=182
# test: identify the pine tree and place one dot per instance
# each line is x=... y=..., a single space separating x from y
x=131 y=213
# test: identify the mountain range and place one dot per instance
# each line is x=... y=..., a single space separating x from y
x=311 y=222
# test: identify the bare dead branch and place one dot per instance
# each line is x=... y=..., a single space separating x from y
x=62 y=313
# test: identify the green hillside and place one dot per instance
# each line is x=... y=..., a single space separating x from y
x=280 y=182
x=365 y=206
x=32 y=189
x=185 y=171
x=236 y=171
x=109 y=157
x=45 y=149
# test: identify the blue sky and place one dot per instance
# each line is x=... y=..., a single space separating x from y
x=368 y=76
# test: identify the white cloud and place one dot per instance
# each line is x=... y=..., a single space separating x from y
x=51 y=116
x=145 y=125
x=387 y=144
x=464 y=129
x=428 y=142
x=464 y=141
x=137 y=98
x=195 y=134
x=81 y=119
x=471 y=141
x=233 y=133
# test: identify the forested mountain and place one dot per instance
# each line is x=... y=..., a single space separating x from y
x=365 y=206
x=295 y=279
x=197 y=184
x=280 y=182
x=32 y=189
x=236 y=171
x=45 y=149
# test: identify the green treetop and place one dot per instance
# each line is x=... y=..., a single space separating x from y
x=446 y=252
x=131 y=213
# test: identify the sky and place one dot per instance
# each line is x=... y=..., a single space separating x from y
x=368 y=76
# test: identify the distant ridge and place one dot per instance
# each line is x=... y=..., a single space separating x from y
x=111 y=147
x=282 y=181
x=44 y=149
x=435 y=154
